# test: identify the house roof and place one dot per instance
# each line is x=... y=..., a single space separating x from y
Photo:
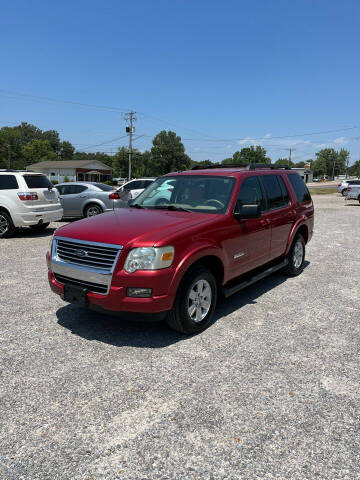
x=67 y=164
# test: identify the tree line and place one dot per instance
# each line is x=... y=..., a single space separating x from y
x=25 y=144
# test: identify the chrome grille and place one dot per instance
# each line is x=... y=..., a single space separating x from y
x=92 y=287
x=88 y=254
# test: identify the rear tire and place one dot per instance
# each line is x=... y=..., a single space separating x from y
x=195 y=302
x=40 y=228
x=92 y=210
x=343 y=193
x=6 y=225
x=296 y=257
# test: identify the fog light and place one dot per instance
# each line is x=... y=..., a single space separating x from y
x=139 y=292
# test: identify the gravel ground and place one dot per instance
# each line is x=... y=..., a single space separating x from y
x=270 y=391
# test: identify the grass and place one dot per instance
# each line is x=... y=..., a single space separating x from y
x=322 y=191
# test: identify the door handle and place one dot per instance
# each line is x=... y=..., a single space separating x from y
x=83 y=196
x=265 y=223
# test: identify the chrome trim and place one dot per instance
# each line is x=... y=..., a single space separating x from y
x=238 y=255
x=86 y=273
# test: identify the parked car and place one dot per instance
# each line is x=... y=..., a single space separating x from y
x=27 y=200
x=353 y=192
x=343 y=186
x=135 y=187
x=86 y=199
x=185 y=239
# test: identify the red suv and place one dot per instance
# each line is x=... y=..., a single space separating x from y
x=187 y=238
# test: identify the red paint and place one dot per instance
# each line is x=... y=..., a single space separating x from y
x=194 y=236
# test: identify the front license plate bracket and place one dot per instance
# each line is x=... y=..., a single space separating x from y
x=75 y=294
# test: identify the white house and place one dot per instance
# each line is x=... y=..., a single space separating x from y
x=73 y=170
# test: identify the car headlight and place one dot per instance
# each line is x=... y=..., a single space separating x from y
x=149 y=258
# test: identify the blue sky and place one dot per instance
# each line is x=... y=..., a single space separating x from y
x=217 y=73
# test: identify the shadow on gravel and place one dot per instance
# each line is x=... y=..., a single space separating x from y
x=29 y=233
x=121 y=331
x=352 y=204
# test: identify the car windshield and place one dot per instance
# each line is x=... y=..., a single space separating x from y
x=104 y=187
x=192 y=193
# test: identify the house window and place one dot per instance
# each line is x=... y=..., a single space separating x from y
x=80 y=176
x=52 y=174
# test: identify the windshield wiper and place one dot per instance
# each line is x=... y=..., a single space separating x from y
x=172 y=207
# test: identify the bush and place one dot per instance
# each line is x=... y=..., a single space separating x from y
x=108 y=182
x=66 y=179
x=54 y=182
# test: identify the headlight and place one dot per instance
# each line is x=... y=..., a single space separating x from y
x=149 y=258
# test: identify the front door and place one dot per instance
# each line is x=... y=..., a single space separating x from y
x=248 y=246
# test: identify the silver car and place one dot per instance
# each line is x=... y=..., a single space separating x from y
x=343 y=186
x=353 y=192
x=86 y=199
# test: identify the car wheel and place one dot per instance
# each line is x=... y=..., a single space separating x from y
x=92 y=210
x=6 y=225
x=344 y=192
x=296 y=257
x=40 y=228
x=195 y=302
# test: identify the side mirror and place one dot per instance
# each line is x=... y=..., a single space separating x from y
x=247 y=211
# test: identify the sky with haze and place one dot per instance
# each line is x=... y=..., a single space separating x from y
x=222 y=74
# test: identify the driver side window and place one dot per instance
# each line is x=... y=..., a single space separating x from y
x=250 y=193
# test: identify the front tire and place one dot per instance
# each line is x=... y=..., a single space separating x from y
x=344 y=192
x=6 y=225
x=296 y=257
x=92 y=210
x=195 y=302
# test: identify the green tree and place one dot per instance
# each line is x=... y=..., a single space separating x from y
x=66 y=151
x=252 y=154
x=284 y=161
x=120 y=163
x=329 y=161
x=38 y=151
x=168 y=153
x=355 y=169
x=53 y=137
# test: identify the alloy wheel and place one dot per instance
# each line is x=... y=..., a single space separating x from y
x=4 y=224
x=298 y=254
x=199 y=300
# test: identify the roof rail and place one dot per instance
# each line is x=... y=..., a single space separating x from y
x=254 y=166
x=7 y=170
x=251 y=166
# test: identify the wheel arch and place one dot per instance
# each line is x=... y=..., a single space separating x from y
x=92 y=202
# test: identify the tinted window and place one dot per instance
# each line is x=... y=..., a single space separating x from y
x=104 y=187
x=250 y=193
x=274 y=192
x=74 y=189
x=37 y=181
x=300 y=188
x=284 y=192
x=146 y=183
x=8 y=182
x=133 y=185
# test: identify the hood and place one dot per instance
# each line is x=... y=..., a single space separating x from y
x=130 y=226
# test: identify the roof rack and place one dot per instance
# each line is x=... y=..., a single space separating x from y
x=251 y=166
x=7 y=170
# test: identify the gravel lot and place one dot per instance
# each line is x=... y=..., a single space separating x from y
x=270 y=391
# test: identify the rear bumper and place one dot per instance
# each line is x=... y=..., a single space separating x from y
x=33 y=218
x=116 y=300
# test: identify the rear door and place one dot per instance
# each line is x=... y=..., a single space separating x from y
x=280 y=213
x=248 y=246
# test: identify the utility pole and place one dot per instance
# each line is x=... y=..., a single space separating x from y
x=290 y=151
x=130 y=129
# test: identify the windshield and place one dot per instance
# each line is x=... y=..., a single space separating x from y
x=193 y=193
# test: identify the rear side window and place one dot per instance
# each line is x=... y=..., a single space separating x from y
x=104 y=187
x=37 y=181
x=275 y=191
x=77 y=188
x=8 y=182
x=250 y=193
x=298 y=184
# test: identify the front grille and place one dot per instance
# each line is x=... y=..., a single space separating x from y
x=87 y=254
x=92 y=287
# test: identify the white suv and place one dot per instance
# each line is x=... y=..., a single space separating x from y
x=135 y=187
x=27 y=199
